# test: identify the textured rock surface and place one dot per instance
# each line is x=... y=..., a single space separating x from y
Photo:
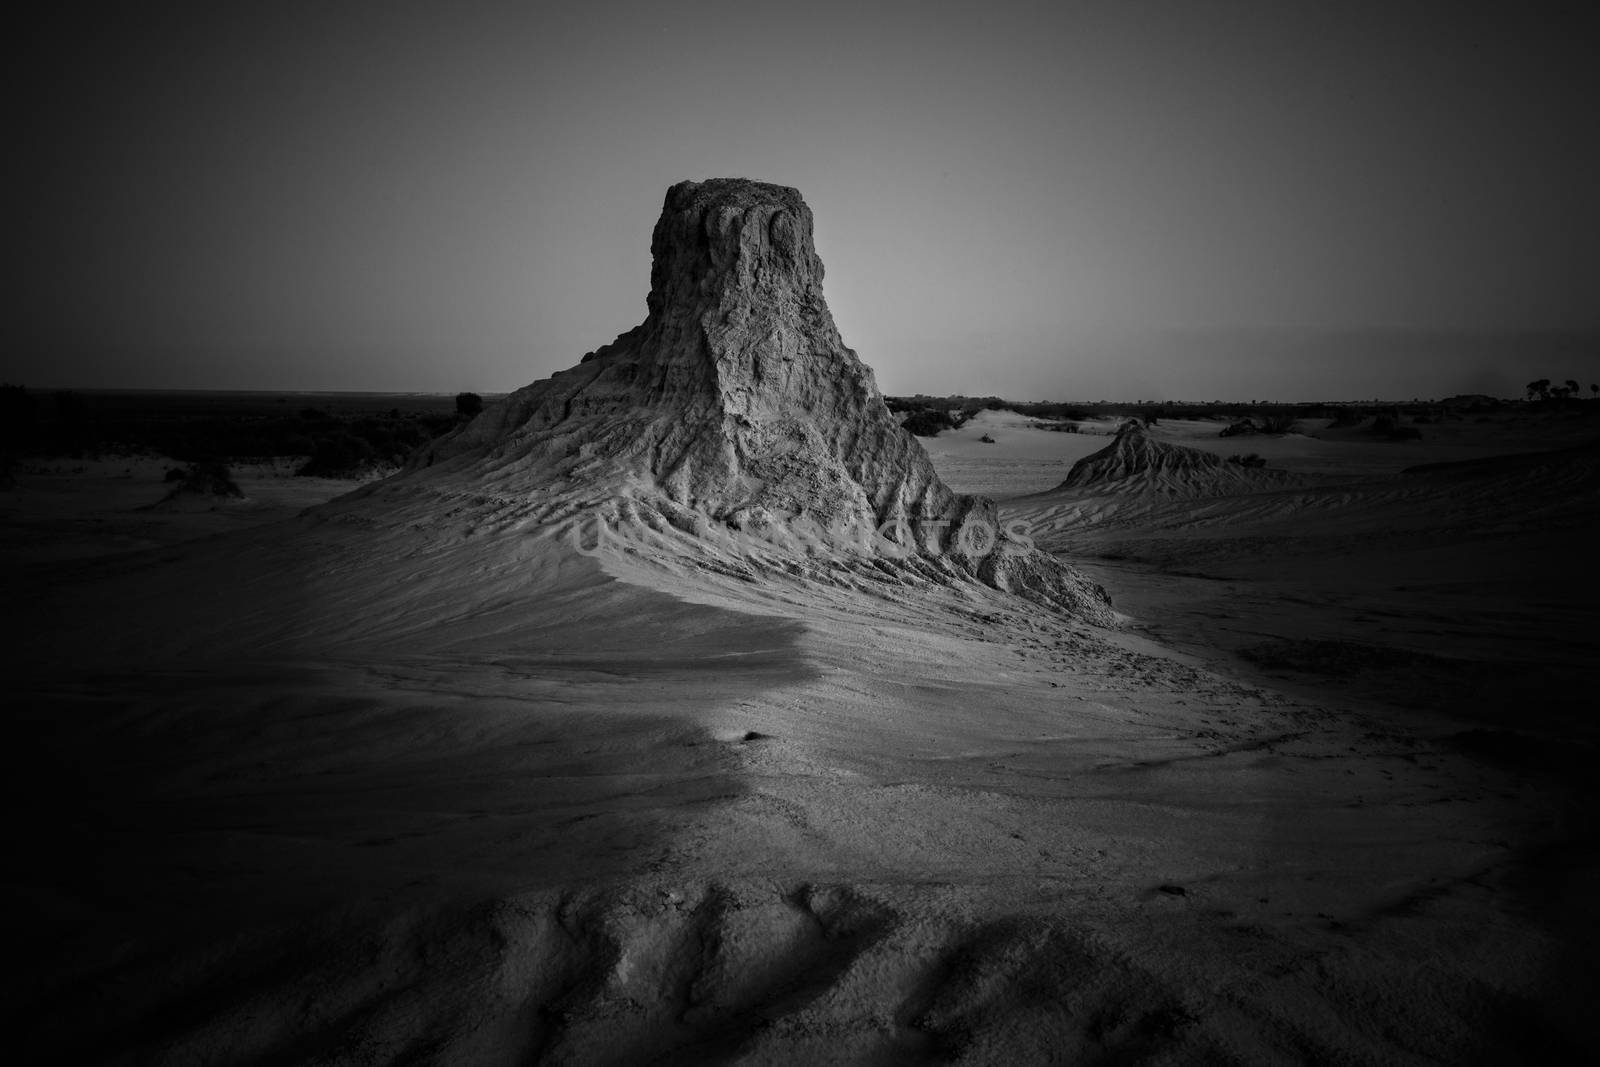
x=1137 y=462
x=737 y=401
x=735 y=397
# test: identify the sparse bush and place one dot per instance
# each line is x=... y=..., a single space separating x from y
x=1251 y=460
x=75 y=429
x=1241 y=427
x=1052 y=410
x=468 y=404
x=929 y=422
x=209 y=478
x=1346 y=418
x=339 y=455
x=986 y=439
x=1387 y=424
x=1277 y=424
x=19 y=416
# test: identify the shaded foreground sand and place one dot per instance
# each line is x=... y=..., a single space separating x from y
x=426 y=785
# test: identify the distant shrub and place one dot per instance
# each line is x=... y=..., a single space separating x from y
x=209 y=478
x=986 y=439
x=1387 y=424
x=19 y=416
x=1053 y=411
x=1277 y=424
x=1251 y=460
x=339 y=455
x=1241 y=427
x=174 y=474
x=468 y=404
x=929 y=422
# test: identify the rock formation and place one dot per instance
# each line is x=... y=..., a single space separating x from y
x=1136 y=462
x=736 y=403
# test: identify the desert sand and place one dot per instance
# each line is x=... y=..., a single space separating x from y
x=442 y=770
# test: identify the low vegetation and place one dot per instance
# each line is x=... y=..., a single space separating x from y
x=1388 y=424
x=207 y=478
x=930 y=422
x=338 y=434
x=1542 y=389
x=927 y=416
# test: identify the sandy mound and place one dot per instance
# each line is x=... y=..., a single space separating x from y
x=1135 y=462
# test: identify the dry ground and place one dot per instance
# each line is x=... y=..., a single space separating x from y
x=431 y=787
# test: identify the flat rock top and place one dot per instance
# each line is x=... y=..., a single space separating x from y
x=734 y=239
x=736 y=193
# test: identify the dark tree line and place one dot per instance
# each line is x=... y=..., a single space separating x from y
x=1543 y=389
x=219 y=428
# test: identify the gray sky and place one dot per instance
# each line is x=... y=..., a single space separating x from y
x=1111 y=200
